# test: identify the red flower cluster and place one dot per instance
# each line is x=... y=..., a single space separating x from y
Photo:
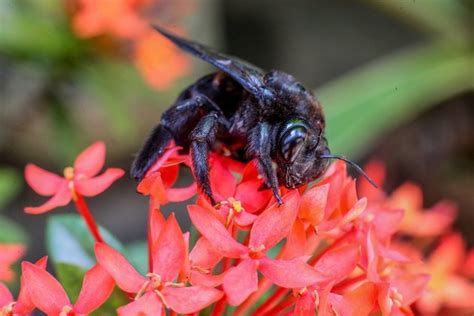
x=330 y=249
x=128 y=21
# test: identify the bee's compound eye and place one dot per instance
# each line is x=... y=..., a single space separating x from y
x=292 y=141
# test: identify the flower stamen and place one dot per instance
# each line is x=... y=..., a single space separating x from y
x=7 y=310
x=66 y=310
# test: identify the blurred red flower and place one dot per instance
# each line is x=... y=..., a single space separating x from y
x=447 y=287
x=9 y=253
x=119 y=18
x=159 y=61
x=81 y=179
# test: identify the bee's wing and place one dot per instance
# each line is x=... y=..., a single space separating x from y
x=248 y=75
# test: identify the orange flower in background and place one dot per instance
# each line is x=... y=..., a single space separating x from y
x=9 y=253
x=409 y=198
x=118 y=18
x=436 y=220
x=447 y=287
x=160 y=61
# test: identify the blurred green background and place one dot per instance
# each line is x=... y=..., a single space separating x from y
x=395 y=78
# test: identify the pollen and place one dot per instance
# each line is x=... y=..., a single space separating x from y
x=66 y=311
x=7 y=310
x=257 y=252
x=236 y=205
x=68 y=173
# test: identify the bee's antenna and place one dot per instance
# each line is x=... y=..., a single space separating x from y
x=353 y=164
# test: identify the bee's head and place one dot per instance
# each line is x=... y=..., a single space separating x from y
x=299 y=150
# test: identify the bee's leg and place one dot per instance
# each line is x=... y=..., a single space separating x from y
x=154 y=147
x=260 y=148
x=202 y=137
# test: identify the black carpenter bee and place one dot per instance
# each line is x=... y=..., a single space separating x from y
x=267 y=116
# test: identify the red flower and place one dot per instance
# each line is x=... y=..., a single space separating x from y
x=238 y=201
x=158 y=289
x=49 y=296
x=447 y=288
x=335 y=265
x=9 y=253
x=81 y=179
x=436 y=220
x=160 y=178
x=269 y=228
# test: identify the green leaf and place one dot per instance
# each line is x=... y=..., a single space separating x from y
x=116 y=299
x=10 y=185
x=137 y=254
x=71 y=277
x=363 y=105
x=71 y=249
x=11 y=232
x=69 y=241
x=447 y=18
x=27 y=31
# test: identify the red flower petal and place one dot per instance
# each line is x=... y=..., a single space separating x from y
x=124 y=274
x=97 y=185
x=186 y=300
x=169 y=175
x=275 y=223
x=96 y=289
x=169 y=251
x=376 y=171
x=250 y=171
x=181 y=194
x=295 y=273
x=296 y=242
x=61 y=198
x=41 y=181
x=241 y=281
x=9 y=253
x=337 y=264
x=360 y=301
x=223 y=183
x=244 y=218
x=306 y=305
x=147 y=305
x=153 y=185
x=407 y=196
x=313 y=204
x=387 y=222
x=169 y=154
x=435 y=221
x=91 y=160
x=157 y=223
x=411 y=287
x=206 y=279
x=449 y=255
x=458 y=293
x=24 y=305
x=253 y=199
x=5 y=296
x=215 y=232
x=336 y=182
x=45 y=291
x=203 y=255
